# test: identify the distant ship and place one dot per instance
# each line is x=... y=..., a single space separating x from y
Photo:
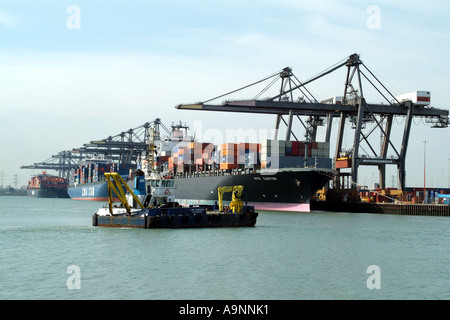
x=87 y=182
x=47 y=186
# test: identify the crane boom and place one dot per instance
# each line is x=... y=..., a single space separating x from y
x=236 y=202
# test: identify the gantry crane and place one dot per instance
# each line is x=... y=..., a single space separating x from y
x=125 y=147
x=351 y=108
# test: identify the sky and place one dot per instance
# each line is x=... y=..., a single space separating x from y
x=76 y=71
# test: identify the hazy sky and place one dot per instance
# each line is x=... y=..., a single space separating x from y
x=76 y=71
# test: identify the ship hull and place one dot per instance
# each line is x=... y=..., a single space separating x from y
x=47 y=186
x=90 y=192
x=288 y=189
x=194 y=217
x=279 y=190
x=47 y=193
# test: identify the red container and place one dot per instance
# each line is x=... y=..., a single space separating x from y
x=301 y=152
x=344 y=163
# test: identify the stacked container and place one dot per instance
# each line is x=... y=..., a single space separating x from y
x=84 y=174
x=279 y=153
x=171 y=161
x=94 y=172
x=270 y=153
x=228 y=156
x=90 y=172
x=161 y=161
x=202 y=153
x=271 y=149
x=248 y=155
x=190 y=158
x=320 y=149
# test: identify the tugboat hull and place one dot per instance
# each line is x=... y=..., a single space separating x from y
x=193 y=217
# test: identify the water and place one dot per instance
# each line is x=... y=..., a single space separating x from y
x=286 y=256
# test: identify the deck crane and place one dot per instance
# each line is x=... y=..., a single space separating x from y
x=236 y=194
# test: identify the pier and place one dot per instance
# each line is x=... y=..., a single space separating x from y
x=412 y=209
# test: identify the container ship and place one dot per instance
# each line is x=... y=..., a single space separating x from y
x=277 y=175
x=47 y=186
x=87 y=182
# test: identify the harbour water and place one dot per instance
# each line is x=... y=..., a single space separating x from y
x=50 y=250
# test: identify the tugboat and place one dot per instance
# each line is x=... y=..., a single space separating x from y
x=152 y=205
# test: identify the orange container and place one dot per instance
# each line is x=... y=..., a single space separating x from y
x=344 y=163
x=253 y=147
x=228 y=166
x=229 y=146
x=229 y=152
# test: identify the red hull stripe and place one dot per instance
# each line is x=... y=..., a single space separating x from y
x=265 y=206
x=289 y=207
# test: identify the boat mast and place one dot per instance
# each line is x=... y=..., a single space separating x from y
x=151 y=149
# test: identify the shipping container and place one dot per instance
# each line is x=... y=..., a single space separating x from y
x=228 y=149
x=228 y=166
x=228 y=159
x=419 y=98
x=273 y=147
x=251 y=160
x=200 y=162
x=342 y=163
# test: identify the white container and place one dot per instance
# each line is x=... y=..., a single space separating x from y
x=419 y=98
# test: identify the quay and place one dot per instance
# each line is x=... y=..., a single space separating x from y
x=414 y=209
